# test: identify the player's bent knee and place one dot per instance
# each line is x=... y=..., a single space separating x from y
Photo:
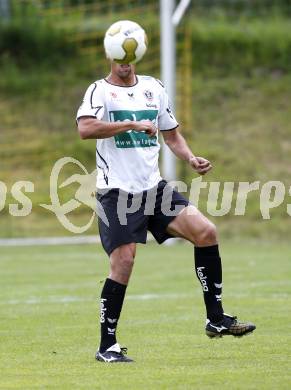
x=123 y=257
x=126 y=260
x=208 y=235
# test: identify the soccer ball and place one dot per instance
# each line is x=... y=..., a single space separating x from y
x=125 y=42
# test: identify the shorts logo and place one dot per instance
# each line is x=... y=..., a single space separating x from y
x=148 y=95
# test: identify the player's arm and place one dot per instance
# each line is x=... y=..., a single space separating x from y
x=177 y=143
x=92 y=128
x=90 y=117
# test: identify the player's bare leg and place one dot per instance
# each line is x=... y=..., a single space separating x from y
x=112 y=297
x=192 y=225
x=121 y=263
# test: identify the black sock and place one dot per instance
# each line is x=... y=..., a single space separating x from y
x=209 y=272
x=112 y=297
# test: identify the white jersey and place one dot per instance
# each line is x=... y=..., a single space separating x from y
x=128 y=160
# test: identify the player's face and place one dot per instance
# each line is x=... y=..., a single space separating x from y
x=123 y=71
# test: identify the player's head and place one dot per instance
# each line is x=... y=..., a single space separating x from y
x=123 y=71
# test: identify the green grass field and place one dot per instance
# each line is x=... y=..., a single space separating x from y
x=49 y=319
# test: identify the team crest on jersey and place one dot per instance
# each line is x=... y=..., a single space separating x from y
x=148 y=94
x=113 y=95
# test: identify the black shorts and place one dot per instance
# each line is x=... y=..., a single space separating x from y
x=124 y=218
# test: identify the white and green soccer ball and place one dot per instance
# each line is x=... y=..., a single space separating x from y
x=125 y=42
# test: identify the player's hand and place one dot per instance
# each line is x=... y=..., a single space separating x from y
x=200 y=165
x=147 y=126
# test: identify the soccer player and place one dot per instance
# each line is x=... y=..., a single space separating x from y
x=125 y=112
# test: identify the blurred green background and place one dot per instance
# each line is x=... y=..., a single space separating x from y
x=233 y=98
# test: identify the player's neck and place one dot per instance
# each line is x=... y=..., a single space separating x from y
x=122 y=81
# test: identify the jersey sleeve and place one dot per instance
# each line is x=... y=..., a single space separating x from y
x=93 y=103
x=166 y=118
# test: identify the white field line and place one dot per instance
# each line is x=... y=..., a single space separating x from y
x=72 y=299
x=38 y=241
x=137 y=297
x=35 y=241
